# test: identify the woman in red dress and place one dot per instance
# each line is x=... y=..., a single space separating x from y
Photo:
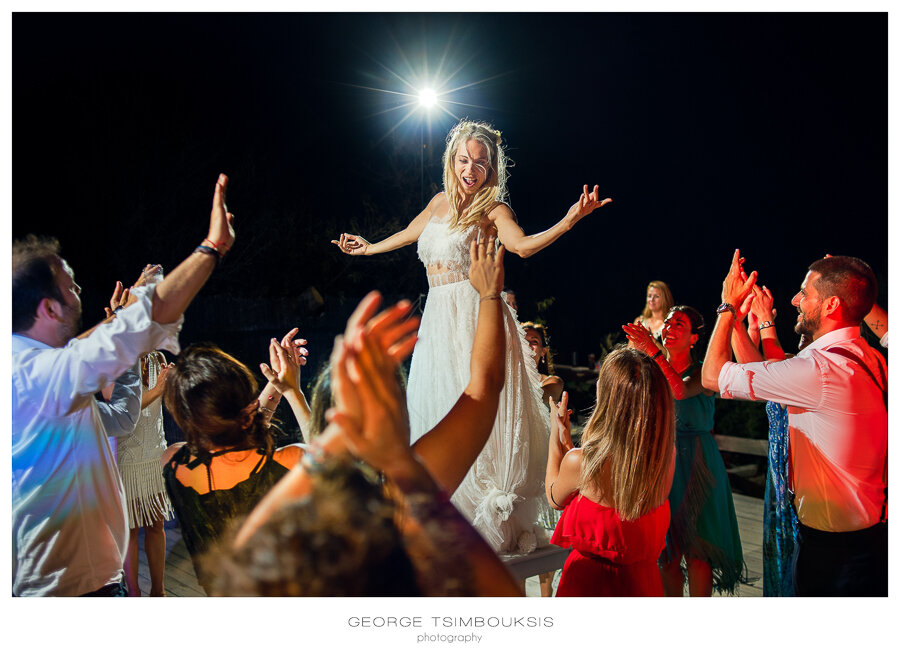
x=614 y=488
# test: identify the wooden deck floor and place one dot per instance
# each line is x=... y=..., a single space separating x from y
x=181 y=580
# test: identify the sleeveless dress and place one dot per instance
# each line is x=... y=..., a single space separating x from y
x=138 y=456
x=704 y=523
x=503 y=492
x=780 y=528
x=205 y=517
x=610 y=557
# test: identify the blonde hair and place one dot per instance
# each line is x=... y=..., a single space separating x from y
x=668 y=301
x=494 y=189
x=628 y=441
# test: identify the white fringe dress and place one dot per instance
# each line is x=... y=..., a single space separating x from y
x=138 y=458
x=503 y=493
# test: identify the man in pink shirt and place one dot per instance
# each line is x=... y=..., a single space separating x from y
x=836 y=394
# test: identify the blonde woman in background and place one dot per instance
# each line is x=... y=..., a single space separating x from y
x=502 y=493
x=659 y=301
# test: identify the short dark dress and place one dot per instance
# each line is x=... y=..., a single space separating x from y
x=610 y=557
x=204 y=518
x=704 y=523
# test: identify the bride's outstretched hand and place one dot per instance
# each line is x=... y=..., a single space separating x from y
x=352 y=244
x=586 y=204
x=486 y=268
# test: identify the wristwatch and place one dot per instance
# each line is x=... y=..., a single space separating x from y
x=766 y=324
x=726 y=307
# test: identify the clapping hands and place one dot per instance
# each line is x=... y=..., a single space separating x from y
x=640 y=338
x=285 y=359
x=370 y=408
x=737 y=284
x=560 y=423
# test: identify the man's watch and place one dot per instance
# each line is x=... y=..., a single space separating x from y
x=726 y=307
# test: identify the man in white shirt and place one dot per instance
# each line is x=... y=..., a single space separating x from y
x=836 y=393
x=69 y=524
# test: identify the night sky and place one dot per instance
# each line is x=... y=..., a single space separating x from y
x=766 y=132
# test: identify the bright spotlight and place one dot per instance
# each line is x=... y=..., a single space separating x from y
x=427 y=98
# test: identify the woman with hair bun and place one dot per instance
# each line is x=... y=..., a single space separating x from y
x=703 y=537
x=229 y=460
x=502 y=492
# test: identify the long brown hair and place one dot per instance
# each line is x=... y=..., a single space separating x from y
x=209 y=393
x=627 y=443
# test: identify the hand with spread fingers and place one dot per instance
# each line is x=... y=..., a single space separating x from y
x=370 y=408
x=354 y=245
x=640 y=338
x=393 y=328
x=586 y=204
x=737 y=284
x=486 y=267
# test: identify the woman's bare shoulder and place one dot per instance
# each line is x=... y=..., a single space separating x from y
x=501 y=210
x=289 y=455
x=169 y=453
x=573 y=458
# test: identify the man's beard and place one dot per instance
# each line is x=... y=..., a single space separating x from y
x=808 y=323
x=74 y=326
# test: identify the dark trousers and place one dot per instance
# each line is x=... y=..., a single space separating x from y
x=839 y=564
x=117 y=590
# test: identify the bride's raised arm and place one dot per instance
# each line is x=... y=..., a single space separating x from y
x=356 y=245
x=514 y=239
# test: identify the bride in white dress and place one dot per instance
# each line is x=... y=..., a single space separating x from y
x=503 y=490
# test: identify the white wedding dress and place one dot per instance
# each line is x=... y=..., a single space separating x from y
x=503 y=493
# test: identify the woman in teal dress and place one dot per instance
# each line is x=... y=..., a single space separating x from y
x=703 y=536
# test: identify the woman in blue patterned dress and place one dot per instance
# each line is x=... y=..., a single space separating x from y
x=779 y=518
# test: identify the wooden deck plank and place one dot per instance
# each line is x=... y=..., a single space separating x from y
x=181 y=581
